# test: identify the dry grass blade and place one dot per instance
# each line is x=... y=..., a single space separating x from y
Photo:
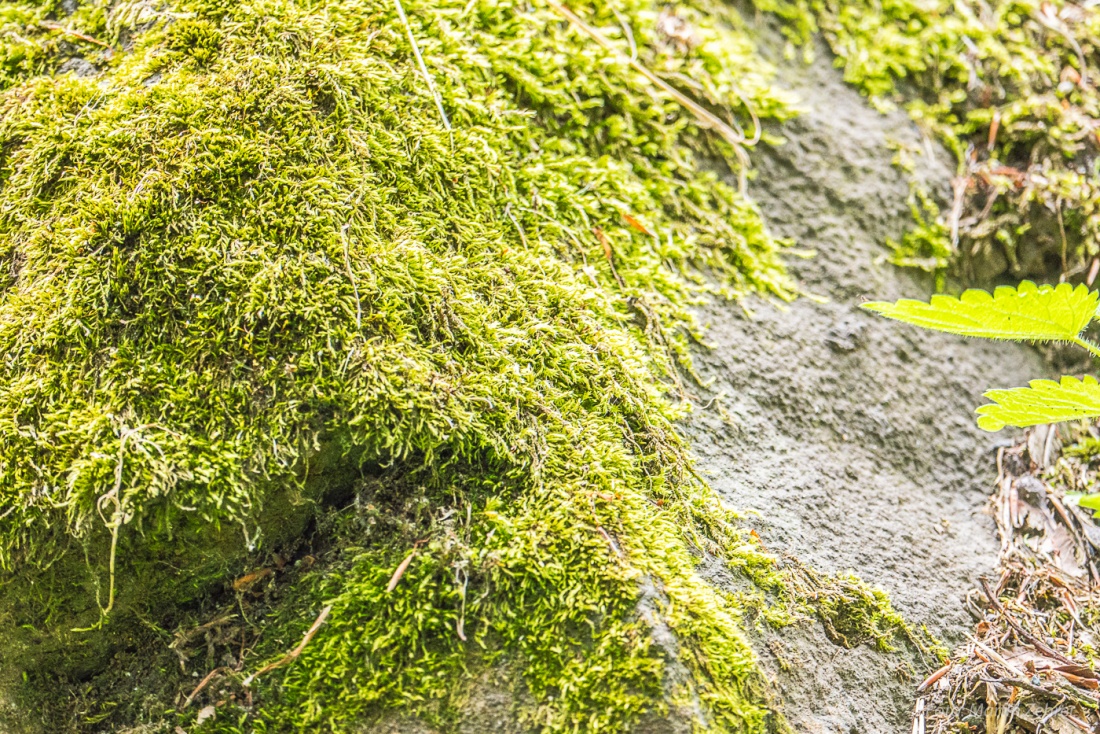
x=704 y=117
x=57 y=27
x=293 y=654
x=420 y=62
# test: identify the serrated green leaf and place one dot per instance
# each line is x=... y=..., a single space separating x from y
x=1027 y=313
x=1044 y=401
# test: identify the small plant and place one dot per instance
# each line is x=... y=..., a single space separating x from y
x=1036 y=313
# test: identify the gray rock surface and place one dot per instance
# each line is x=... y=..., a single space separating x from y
x=854 y=444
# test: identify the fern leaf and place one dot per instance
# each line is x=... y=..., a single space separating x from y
x=1045 y=401
x=1029 y=313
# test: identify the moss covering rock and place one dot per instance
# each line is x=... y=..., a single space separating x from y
x=260 y=279
x=1010 y=88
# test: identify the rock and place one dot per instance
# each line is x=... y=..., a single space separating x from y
x=857 y=437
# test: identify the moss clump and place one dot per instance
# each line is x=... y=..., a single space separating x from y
x=854 y=613
x=1010 y=88
x=246 y=264
x=544 y=584
x=197 y=39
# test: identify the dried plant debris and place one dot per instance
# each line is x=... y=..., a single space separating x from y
x=1031 y=664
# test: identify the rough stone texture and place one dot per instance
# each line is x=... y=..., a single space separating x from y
x=854 y=437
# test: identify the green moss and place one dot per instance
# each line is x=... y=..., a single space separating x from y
x=199 y=39
x=548 y=581
x=854 y=613
x=927 y=245
x=1009 y=87
x=247 y=265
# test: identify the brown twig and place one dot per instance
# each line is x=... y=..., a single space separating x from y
x=1034 y=641
x=293 y=654
x=202 y=684
x=57 y=27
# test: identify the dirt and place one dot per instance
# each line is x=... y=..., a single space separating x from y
x=853 y=443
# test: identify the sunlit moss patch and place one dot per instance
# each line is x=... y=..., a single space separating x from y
x=1010 y=88
x=249 y=267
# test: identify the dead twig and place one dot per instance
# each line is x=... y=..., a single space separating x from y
x=1031 y=639
x=202 y=684
x=58 y=28
x=293 y=654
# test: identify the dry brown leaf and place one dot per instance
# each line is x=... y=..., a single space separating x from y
x=251 y=578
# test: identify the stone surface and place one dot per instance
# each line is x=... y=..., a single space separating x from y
x=853 y=443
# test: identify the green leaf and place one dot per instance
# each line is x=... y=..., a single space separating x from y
x=1088 y=501
x=1031 y=312
x=1045 y=401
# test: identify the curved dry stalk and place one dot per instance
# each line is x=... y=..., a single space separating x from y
x=705 y=118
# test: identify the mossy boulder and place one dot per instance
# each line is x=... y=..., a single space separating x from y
x=264 y=273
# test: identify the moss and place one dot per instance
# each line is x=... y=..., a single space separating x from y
x=248 y=265
x=927 y=245
x=38 y=38
x=1008 y=86
x=198 y=39
x=854 y=613
x=547 y=582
